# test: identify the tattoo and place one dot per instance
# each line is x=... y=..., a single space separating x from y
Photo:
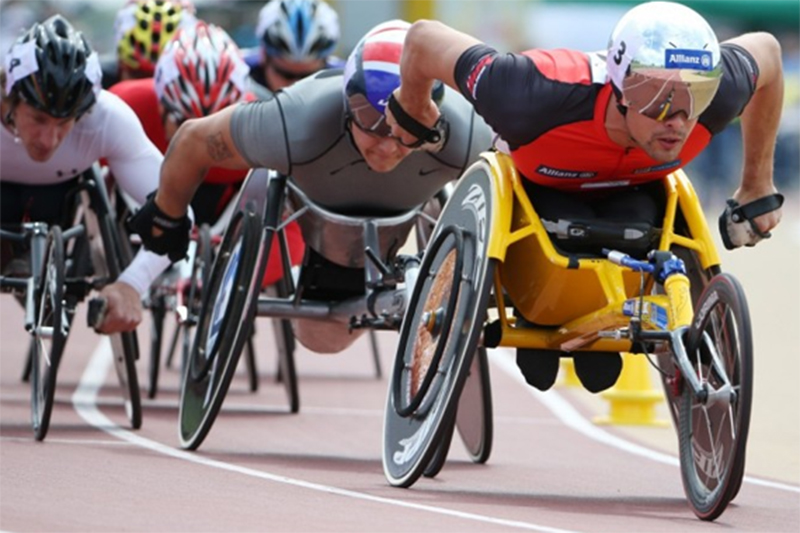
x=173 y=142
x=217 y=148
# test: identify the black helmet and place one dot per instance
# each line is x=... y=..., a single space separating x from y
x=62 y=83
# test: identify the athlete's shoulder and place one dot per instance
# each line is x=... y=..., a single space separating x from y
x=568 y=66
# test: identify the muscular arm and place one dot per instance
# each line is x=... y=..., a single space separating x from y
x=198 y=145
x=759 y=121
x=430 y=52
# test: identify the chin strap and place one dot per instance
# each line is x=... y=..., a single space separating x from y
x=736 y=226
x=428 y=139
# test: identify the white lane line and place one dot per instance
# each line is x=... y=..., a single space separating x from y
x=83 y=442
x=561 y=408
x=93 y=377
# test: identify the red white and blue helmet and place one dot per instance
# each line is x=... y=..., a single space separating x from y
x=372 y=73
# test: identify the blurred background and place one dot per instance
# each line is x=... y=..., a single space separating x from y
x=508 y=25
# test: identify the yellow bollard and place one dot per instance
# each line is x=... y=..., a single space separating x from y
x=567 y=375
x=633 y=399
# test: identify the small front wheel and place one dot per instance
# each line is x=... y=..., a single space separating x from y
x=49 y=333
x=713 y=427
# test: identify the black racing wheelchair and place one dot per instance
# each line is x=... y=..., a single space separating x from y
x=67 y=262
x=353 y=279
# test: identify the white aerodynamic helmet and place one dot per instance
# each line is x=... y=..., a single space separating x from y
x=663 y=58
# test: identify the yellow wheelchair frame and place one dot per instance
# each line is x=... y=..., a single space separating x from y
x=493 y=250
x=586 y=296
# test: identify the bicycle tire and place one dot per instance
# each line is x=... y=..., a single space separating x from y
x=229 y=308
x=410 y=443
x=49 y=333
x=713 y=436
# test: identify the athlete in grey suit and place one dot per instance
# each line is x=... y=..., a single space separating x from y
x=327 y=134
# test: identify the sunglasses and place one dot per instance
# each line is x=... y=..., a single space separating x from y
x=367 y=118
x=288 y=74
x=662 y=98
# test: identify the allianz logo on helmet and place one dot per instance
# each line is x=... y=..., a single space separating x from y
x=694 y=59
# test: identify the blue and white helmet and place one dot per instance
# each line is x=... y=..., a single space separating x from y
x=298 y=30
x=663 y=58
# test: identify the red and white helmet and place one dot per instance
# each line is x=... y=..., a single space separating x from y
x=200 y=72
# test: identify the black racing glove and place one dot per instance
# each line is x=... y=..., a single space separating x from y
x=736 y=226
x=174 y=239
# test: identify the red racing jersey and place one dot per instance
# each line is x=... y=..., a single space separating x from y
x=549 y=107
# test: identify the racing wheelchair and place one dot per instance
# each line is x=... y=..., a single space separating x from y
x=493 y=276
x=179 y=292
x=353 y=279
x=66 y=265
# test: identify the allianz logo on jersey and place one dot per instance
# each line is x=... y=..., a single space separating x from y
x=694 y=59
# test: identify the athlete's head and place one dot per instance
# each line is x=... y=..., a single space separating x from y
x=297 y=37
x=664 y=62
x=143 y=28
x=51 y=78
x=200 y=72
x=371 y=74
x=663 y=58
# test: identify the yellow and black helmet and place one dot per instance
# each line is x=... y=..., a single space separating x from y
x=144 y=27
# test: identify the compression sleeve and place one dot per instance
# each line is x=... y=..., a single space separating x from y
x=143 y=270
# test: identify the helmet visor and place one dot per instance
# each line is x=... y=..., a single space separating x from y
x=367 y=118
x=658 y=97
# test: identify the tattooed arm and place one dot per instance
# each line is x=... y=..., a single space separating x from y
x=198 y=145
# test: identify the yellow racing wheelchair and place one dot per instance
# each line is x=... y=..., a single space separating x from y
x=492 y=275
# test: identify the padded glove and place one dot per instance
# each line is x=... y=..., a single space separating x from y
x=174 y=239
x=736 y=226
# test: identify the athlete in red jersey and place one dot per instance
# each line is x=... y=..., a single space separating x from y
x=591 y=131
x=199 y=73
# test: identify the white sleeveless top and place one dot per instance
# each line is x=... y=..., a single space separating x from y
x=110 y=131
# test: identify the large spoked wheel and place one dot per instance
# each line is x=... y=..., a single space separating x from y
x=224 y=325
x=49 y=333
x=713 y=431
x=439 y=336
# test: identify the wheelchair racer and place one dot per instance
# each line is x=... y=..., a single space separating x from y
x=200 y=72
x=328 y=133
x=593 y=133
x=296 y=39
x=57 y=122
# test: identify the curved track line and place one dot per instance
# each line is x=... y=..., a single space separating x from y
x=504 y=358
x=84 y=401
